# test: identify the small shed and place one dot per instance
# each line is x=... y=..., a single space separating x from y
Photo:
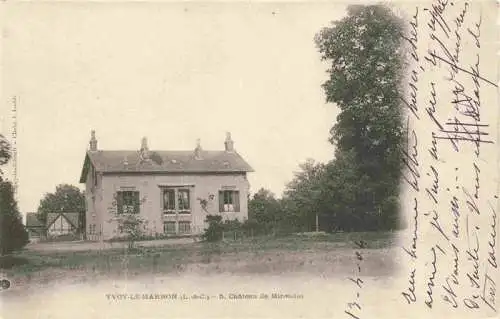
x=36 y=229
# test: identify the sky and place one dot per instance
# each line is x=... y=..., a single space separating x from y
x=171 y=72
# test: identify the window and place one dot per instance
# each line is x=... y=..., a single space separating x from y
x=229 y=201
x=169 y=200
x=128 y=202
x=176 y=201
x=169 y=227
x=92 y=229
x=184 y=227
x=183 y=198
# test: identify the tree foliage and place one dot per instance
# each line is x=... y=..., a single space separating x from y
x=13 y=235
x=365 y=72
x=302 y=196
x=66 y=198
x=5 y=153
x=215 y=229
x=264 y=211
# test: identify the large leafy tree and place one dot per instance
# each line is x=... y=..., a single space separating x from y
x=264 y=210
x=66 y=198
x=302 y=197
x=13 y=235
x=365 y=72
x=341 y=184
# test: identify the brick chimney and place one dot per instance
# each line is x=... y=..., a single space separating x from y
x=93 y=142
x=228 y=143
x=197 y=150
x=144 y=151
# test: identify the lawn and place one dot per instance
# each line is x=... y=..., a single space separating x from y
x=323 y=254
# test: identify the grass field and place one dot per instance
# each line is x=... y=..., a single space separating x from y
x=323 y=255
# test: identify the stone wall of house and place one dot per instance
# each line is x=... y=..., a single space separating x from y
x=204 y=188
x=93 y=198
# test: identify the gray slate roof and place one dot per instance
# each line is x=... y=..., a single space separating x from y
x=32 y=221
x=165 y=162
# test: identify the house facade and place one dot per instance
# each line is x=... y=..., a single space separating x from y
x=172 y=191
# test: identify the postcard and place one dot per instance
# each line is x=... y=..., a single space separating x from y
x=249 y=159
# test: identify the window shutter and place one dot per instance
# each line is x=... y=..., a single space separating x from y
x=119 y=202
x=221 y=201
x=137 y=203
x=236 y=199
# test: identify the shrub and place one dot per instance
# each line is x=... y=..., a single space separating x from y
x=132 y=226
x=215 y=229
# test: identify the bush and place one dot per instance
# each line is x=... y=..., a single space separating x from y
x=215 y=229
x=132 y=226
